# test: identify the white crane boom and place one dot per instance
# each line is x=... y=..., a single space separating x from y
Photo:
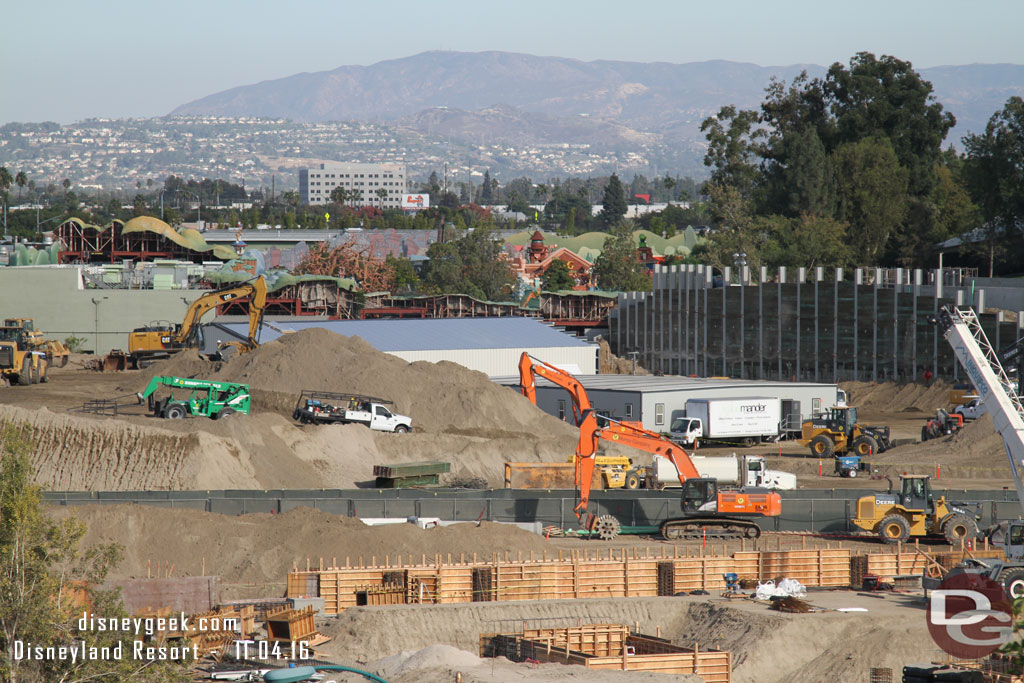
x=962 y=330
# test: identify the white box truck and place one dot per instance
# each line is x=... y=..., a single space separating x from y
x=746 y=421
x=745 y=470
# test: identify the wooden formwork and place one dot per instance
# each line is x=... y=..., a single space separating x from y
x=609 y=646
x=611 y=573
x=289 y=625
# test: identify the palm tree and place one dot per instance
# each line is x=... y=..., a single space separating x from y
x=66 y=183
x=669 y=183
x=382 y=194
x=21 y=180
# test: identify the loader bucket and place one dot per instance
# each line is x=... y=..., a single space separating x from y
x=115 y=361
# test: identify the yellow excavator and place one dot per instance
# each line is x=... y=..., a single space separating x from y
x=160 y=341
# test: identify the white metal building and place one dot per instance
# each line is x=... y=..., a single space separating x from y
x=316 y=184
x=657 y=400
x=491 y=345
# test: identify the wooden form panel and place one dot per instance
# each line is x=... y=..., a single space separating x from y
x=606 y=573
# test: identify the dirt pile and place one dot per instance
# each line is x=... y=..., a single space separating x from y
x=72 y=452
x=898 y=397
x=259 y=550
x=614 y=365
x=439 y=397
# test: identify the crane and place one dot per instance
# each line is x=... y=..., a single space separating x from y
x=962 y=330
x=156 y=341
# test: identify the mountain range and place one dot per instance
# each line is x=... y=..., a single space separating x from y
x=501 y=97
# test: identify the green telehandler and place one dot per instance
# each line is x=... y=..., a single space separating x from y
x=215 y=400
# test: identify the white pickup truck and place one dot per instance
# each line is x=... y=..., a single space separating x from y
x=321 y=407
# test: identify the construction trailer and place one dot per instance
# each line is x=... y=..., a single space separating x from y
x=656 y=401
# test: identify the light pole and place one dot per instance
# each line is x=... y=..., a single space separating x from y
x=96 y=323
x=739 y=261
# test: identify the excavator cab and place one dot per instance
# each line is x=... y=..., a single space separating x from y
x=697 y=493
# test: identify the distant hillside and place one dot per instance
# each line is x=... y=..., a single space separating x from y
x=498 y=95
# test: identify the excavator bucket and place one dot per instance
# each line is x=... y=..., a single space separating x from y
x=115 y=361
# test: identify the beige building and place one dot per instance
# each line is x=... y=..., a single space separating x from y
x=380 y=185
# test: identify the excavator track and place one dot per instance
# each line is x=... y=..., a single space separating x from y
x=708 y=527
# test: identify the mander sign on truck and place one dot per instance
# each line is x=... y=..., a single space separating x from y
x=723 y=418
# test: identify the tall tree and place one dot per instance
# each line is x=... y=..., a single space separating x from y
x=617 y=269
x=486 y=192
x=734 y=145
x=994 y=169
x=472 y=265
x=22 y=180
x=871 y=195
x=613 y=205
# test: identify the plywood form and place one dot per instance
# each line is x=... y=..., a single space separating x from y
x=600 y=573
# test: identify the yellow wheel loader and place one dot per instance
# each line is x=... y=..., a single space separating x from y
x=915 y=512
x=21 y=366
x=837 y=432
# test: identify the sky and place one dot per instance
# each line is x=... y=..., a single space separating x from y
x=66 y=61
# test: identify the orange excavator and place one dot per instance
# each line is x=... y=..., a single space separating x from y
x=705 y=507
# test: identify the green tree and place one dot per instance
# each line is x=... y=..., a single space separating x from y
x=738 y=232
x=733 y=148
x=558 y=277
x=613 y=204
x=994 y=170
x=382 y=195
x=66 y=184
x=669 y=182
x=810 y=240
x=5 y=181
x=486 y=191
x=871 y=195
x=471 y=264
x=405 y=277
x=617 y=268
x=22 y=180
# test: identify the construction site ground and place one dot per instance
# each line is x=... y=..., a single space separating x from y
x=461 y=417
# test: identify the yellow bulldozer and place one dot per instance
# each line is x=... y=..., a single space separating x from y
x=914 y=511
x=837 y=432
x=23 y=331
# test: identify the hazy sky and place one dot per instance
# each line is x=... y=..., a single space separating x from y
x=69 y=60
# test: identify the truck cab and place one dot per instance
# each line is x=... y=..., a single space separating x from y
x=686 y=430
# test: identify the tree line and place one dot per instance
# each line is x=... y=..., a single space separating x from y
x=849 y=169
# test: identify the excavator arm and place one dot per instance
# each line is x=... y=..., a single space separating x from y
x=256 y=289
x=626 y=434
x=257 y=304
x=530 y=368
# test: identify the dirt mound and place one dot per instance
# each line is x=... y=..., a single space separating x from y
x=260 y=549
x=71 y=452
x=898 y=397
x=614 y=365
x=976 y=445
x=437 y=396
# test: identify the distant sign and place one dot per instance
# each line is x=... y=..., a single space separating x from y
x=415 y=202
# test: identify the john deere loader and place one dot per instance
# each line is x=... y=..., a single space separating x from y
x=838 y=432
x=914 y=511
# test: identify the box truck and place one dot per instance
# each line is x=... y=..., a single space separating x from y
x=747 y=421
x=745 y=470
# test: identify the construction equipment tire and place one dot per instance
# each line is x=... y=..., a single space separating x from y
x=226 y=412
x=606 y=527
x=1013 y=582
x=924 y=433
x=63 y=361
x=632 y=480
x=851 y=473
x=175 y=412
x=894 y=528
x=822 y=447
x=24 y=377
x=959 y=527
x=865 y=445
x=749 y=442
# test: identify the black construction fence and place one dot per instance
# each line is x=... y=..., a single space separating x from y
x=825 y=510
